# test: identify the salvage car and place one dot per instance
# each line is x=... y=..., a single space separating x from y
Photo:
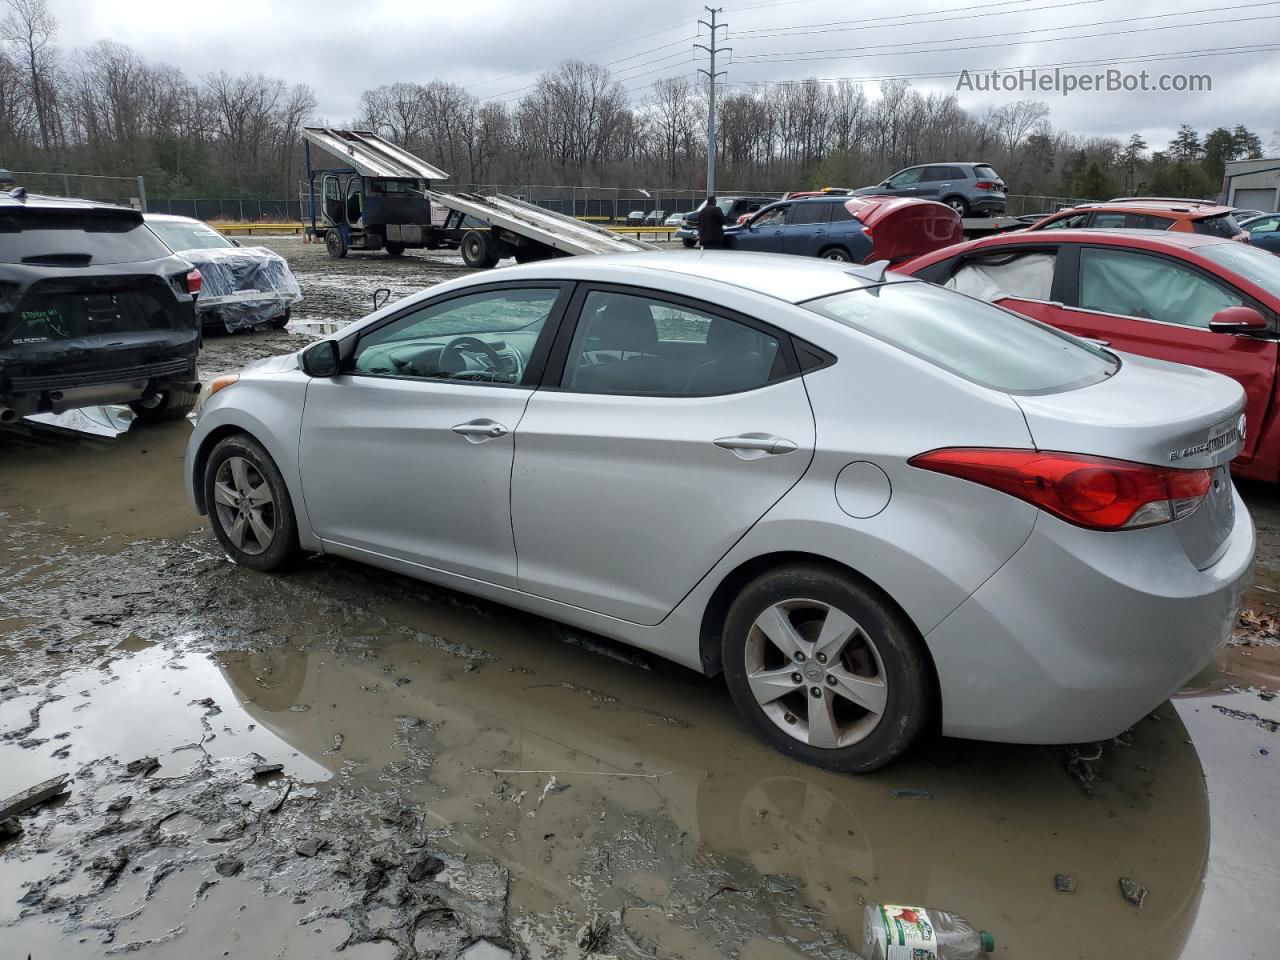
x=1147 y=213
x=669 y=451
x=969 y=188
x=94 y=310
x=244 y=287
x=733 y=208
x=1189 y=298
x=857 y=230
x=1264 y=231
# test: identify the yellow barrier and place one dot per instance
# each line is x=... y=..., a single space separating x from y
x=295 y=228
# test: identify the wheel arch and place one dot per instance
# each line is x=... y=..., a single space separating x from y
x=836 y=246
x=717 y=608
x=202 y=458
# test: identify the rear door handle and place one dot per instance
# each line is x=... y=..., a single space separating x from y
x=752 y=446
x=478 y=431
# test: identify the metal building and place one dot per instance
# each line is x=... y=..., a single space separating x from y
x=1252 y=184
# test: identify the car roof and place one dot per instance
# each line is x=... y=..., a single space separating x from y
x=1148 y=239
x=1192 y=209
x=779 y=276
x=39 y=201
x=170 y=218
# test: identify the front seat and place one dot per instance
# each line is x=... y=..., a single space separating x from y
x=737 y=362
x=626 y=326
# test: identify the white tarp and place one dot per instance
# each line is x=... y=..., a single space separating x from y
x=244 y=286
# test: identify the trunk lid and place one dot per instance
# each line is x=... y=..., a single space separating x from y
x=1158 y=413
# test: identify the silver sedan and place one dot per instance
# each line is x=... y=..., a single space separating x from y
x=873 y=505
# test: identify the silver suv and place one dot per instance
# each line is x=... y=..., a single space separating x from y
x=967 y=188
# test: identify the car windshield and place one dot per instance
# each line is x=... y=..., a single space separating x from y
x=1252 y=263
x=982 y=343
x=179 y=236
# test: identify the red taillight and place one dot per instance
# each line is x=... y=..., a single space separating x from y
x=194 y=281
x=987 y=185
x=1094 y=492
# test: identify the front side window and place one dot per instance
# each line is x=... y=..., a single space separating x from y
x=632 y=344
x=906 y=178
x=982 y=343
x=1265 y=225
x=1152 y=288
x=485 y=337
x=773 y=217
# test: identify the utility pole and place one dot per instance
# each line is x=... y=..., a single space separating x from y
x=712 y=49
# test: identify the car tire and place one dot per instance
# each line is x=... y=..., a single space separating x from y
x=395 y=249
x=282 y=321
x=477 y=250
x=334 y=244
x=820 y=720
x=173 y=404
x=239 y=467
x=689 y=242
x=839 y=254
x=958 y=204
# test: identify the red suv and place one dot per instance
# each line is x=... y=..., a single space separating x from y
x=1190 y=298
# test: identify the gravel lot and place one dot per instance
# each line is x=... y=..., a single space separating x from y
x=459 y=779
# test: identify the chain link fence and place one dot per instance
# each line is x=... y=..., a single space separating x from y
x=127 y=191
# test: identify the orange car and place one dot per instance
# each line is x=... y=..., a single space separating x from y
x=1148 y=213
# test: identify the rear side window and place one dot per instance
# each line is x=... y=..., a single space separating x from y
x=984 y=172
x=810 y=212
x=1023 y=276
x=1149 y=221
x=1108 y=221
x=840 y=213
x=984 y=344
x=1222 y=225
x=53 y=237
x=955 y=173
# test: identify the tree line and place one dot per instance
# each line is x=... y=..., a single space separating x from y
x=106 y=110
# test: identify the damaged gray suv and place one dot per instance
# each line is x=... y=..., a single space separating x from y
x=94 y=309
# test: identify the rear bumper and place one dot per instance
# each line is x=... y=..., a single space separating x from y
x=1080 y=634
x=988 y=206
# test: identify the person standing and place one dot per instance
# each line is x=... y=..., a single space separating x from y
x=711 y=225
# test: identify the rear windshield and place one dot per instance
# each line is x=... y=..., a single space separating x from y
x=983 y=172
x=1252 y=263
x=985 y=344
x=75 y=238
x=179 y=236
x=1220 y=225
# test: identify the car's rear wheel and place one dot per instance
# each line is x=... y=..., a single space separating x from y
x=395 y=249
x=825 y=669
x=689 y=242
x=477 y=250
x=282 y=321
x=836 y=253
x=958 y=204
x=249 y=505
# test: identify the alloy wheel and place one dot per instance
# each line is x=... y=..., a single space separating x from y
x=245 y=506
x=815 y=673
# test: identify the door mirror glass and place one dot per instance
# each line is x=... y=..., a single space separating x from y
x=321 y=359
x=1235 y=319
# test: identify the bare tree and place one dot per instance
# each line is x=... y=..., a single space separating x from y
x=30 y=29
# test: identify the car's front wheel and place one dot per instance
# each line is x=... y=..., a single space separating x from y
x=689 y=242
x=825 y=669
x=249 y=506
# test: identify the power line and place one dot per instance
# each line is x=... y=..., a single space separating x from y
x=804 y=56
x=876 y=23
x=509 y=96
x=1100 y=62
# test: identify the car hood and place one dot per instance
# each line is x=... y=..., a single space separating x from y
x=270 y=365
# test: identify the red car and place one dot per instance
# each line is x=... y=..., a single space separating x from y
x=1190 y=298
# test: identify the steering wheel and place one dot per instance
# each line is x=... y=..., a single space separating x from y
x=451 y=361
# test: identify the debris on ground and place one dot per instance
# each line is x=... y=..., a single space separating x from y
x=1133 y=891
x=1080 y=760
x=424 y=868
x=34 y=796
x=142 y=766
x=309 y=848
x=1064 y=883
x=910 y=793
x=266 y=769
x=593 y=937
x=9 y=828
x=1256 y=630
x=1266 y=723
x=229 y=866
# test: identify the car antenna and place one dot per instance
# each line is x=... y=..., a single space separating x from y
x=18 y=193
x=881 y=265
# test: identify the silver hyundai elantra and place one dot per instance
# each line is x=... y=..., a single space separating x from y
x=871 y=504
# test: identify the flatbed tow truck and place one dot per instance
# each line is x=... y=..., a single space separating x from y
x=383 y=199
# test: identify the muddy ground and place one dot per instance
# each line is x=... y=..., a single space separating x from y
x=459 y=779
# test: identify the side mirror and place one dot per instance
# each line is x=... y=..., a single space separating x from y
x=321 y=359
x=235 y=242
x=1237 y=320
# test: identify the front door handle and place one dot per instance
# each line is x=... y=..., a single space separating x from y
x=478 y=431
x=752 y=446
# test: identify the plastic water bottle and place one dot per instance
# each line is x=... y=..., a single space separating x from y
x=918 y=933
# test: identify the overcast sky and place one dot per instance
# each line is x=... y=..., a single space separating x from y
x=496 y=47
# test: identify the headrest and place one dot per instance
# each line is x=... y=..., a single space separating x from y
x=728 y=338
x=626 y=323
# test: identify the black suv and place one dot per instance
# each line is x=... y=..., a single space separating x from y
x=93 y=309
x=733 y=207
